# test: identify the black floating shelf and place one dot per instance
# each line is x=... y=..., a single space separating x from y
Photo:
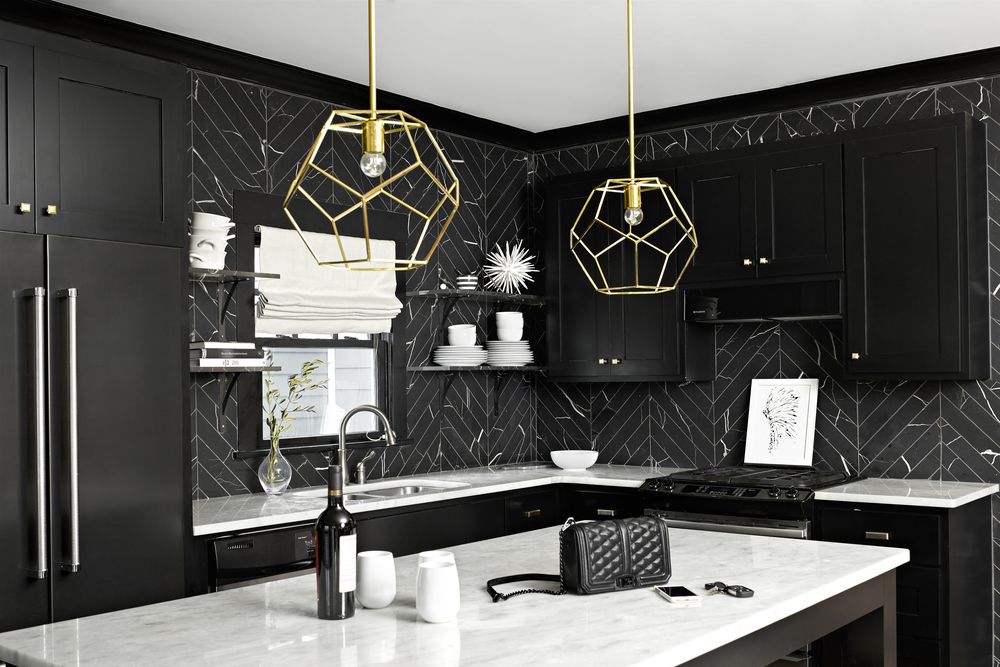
x=226 y=276
x=233 y=369
x=453 y=369
x=479 y=295
x=312 y=449
x=760 y=320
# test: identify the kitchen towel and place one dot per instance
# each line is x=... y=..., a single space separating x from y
x=314 y=299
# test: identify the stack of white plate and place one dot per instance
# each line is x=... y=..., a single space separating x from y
x=460 y=355
x=509 y=353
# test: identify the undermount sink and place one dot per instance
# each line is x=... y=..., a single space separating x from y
x=354 y=497
x=402 y=490
x=383 y=490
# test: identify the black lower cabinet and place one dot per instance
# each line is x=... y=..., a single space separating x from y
x=586 y=503
x=105 y=318
x=531 y=511
x=943 y=595
x=408 y=532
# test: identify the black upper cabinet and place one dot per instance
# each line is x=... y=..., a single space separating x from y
x=800 y=216
x=17 y=170
x=94 y=141
x=917 y=294
x=769 y=212
x=718 y=195
x=592 y=336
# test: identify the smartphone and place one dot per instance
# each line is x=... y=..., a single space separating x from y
x=679 y=595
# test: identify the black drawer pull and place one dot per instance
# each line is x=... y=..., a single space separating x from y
x=531 y=514
x=882 y=536
x=602 y=512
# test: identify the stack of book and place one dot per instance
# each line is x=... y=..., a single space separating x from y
x=212 y=354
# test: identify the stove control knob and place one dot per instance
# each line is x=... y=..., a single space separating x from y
x=654 y=484
x=774 y=492
x=791 y=493
x=668 y=485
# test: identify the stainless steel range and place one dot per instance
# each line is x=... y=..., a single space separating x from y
x=753 y=500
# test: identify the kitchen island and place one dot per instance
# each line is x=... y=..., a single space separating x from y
x=804 y=589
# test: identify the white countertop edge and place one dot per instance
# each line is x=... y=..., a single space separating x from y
x=846 y=496
x=695 y=648
x=392 y=503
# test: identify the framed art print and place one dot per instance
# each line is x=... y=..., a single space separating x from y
x=781 y=424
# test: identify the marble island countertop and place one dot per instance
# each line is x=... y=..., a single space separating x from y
x=275 y=623
x=243 y=512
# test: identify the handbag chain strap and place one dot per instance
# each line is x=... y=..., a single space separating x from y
x=500 y=597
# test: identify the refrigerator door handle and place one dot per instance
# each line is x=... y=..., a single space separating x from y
x=37 y=296
x=72 y=564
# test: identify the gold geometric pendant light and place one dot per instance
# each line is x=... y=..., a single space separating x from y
x=622 y=246
x=427 y=191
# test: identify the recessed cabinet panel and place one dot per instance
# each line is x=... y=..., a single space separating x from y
x=800 y=226
x=107 y=141
x=17 y=170
x=719 y=197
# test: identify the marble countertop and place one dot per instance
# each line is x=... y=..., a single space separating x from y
x=913 y=492
x=275 y=623
x=222 y=515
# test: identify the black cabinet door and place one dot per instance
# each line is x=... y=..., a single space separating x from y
x=800 y=219
x=129 y=341
x=530 y=511
x=434 y=528
x=578 y=315
x=109 y=150
x=719 y=198
x=597 y=505
x=25 y=599
x=904 y=263
x=17 y=168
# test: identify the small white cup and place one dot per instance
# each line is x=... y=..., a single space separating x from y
x=376 y=579
x=438 y=596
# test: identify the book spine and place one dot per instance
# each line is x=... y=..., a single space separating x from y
x=229 y=363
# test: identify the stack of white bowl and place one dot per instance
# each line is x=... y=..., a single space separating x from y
x=209 y=239
x=461 y=349
x=510 y=350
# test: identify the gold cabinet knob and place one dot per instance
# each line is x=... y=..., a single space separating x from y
x=615 y=362
x=24 y=207
x=855 y=356
x=602 y=361
x=763 y=260
x=51 y=209
x=747 y=262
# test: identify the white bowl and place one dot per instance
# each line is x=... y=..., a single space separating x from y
x=574 y=459
x=509 y=333
x=210 y=220
x=462 y=337
x=509 y=318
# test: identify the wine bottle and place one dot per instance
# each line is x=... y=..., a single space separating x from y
x=336 y=554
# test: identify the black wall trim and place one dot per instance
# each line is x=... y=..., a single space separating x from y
x=94 y=27
x=87 y=25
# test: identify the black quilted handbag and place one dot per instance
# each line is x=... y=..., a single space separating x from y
x=601 y=557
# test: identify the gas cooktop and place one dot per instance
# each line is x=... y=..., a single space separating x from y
x=747 y=482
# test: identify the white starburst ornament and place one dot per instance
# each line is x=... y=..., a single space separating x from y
x=509 y=268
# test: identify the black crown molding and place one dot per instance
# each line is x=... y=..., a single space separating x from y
x=83 y=24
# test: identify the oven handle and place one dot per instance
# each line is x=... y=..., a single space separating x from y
x=769 y=531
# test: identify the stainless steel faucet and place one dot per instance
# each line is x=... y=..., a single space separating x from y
x=390 y=437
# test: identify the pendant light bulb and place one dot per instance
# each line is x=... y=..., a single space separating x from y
x=633 y=215
x=373 y=164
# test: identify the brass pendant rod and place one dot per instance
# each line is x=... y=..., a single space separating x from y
x=371 y=57
x=631 y=110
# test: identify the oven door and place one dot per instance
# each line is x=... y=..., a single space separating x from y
x=734 y=524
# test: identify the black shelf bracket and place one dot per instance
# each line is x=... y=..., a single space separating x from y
x=227 y=382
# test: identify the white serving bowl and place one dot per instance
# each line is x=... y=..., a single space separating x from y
x=574 y=459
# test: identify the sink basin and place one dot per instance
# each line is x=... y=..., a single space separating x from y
x=353 y=497
x=392 y=488
x=403 y=490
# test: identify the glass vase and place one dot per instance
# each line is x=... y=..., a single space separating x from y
x=274 y=473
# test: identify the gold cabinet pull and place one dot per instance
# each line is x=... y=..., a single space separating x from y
x=51 y=209
x=531 y=514
x=615 y=362
x=855 y=355
x=24 y=207
x=602 y=361
x=603 y=512
x=763 y=260
x=880 y=535
x=747 y=262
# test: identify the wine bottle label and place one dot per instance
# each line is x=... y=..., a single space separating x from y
x=348 y=562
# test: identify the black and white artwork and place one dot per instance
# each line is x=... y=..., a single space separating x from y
x=781 y=422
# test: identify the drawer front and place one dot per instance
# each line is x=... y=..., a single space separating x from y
x=920 y=533
x=918 y=602
x=532 y=511
x=917 y=652
x=601 y=505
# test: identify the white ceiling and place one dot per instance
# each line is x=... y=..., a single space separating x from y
x=543 y=64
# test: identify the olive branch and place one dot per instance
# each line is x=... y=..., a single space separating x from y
x=281 y=410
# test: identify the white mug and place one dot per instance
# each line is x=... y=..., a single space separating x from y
x=438 y=596
x=376 y=579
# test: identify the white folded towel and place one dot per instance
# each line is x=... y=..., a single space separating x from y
x=309 y=298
